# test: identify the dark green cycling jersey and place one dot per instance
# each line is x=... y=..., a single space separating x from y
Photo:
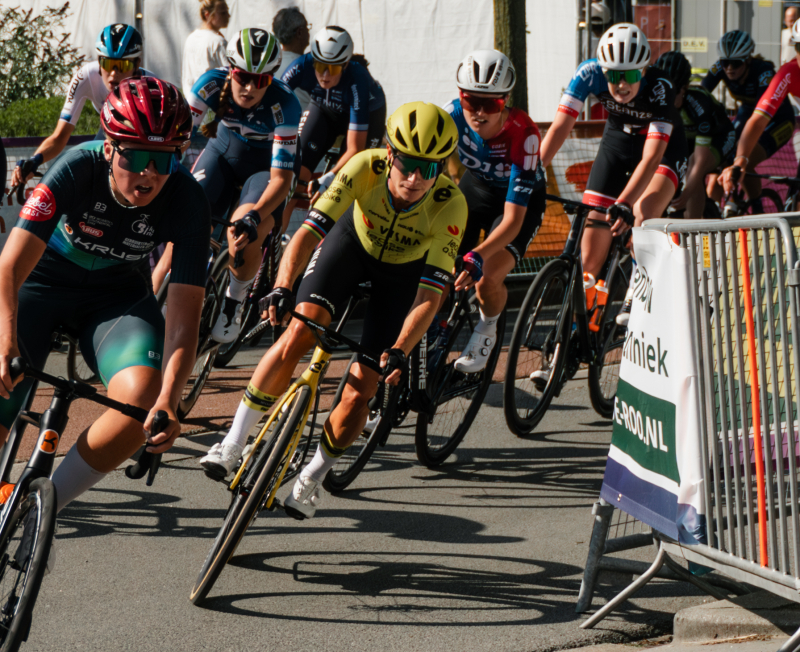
x=97 y=242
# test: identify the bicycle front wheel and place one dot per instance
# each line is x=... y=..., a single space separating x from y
x=537 y=346
x=250 y=496
x=458 y=395
x=205 y=358
x=25 y=547
x=355 y=458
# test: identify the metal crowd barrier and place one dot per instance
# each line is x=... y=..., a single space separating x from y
x=745 y=303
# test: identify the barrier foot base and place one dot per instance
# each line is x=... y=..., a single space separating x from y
x=628 y=591
x=793 y=644
x=685 y=575
x=602 y=512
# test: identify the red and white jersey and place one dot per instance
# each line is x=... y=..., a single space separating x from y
x=786 y=81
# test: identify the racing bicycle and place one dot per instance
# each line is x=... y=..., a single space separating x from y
x=555 y=332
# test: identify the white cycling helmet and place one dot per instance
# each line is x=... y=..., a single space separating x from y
x=332 y=45
x=796 y=32
x=601 y=14
x=486 y=71
x=623 y=47
x=256 y=51
x=736 y=44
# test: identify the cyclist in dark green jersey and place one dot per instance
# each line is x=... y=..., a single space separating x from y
x=77 y=260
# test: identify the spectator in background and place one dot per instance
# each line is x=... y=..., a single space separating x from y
x=205 y=47
x=790 y=14
x=294 y=34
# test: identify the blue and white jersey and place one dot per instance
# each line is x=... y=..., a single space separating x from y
x=652 y=111
x=357 y=93
x=509 y=161
x=272 y=122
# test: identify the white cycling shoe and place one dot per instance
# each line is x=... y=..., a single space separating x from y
x=540 y=377
x=221 y=459
x=476 y=353
x=302 y=503
x=229 y=323
x=624 y=315
x=369 y=426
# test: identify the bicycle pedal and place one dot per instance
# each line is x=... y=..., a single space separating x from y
x=211 y=475
x=297 y=516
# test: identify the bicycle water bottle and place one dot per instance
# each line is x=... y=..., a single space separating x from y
x=602 y=299
x=589 y=288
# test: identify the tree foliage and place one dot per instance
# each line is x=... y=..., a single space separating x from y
x=36 y=59
x=28 y=118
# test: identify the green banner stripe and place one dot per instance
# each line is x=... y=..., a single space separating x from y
x=644 y=428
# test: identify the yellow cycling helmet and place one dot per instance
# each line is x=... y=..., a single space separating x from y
x=422 y=130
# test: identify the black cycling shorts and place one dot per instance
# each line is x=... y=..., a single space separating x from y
x=618 y=156
x=339 y=265
x=227 y=164
x=485 y=207
x=320 y=127
x=776 y=135
x=116 y=329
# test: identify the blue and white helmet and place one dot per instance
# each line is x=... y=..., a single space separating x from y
x=736 y=44
x=119 y=41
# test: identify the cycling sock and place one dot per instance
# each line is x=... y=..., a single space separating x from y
x=73 y=477
x=251 y=409
x=237 y=290
x=487 y=325
x=324 y=459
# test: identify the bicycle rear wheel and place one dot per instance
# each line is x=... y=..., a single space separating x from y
x=25 y=547
x=205 y=358
x=250 y=496
x=604 y=372
x=770 y=203
x=537 y=345
x=77 y=368
x=355 y=458
x=459 y=395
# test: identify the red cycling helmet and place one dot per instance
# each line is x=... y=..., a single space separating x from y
x=148 y=111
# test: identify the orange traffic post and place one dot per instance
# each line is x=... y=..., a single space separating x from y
x=755 y=402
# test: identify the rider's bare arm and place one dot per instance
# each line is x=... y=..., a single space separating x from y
x=295 y=258
x=556 y=135
x=51 y=147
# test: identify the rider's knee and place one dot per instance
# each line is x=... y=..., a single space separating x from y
x=297 y=339
x=356 y=397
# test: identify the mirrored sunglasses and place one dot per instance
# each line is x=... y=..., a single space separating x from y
x=254 y=79
x=123 y=65
x=332 y=69
x=407 y=165
x=616 y=76
x=137 y=160
x=488 y=104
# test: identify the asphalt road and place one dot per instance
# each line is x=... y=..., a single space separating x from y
x=485 y=553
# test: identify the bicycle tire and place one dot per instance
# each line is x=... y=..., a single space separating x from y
x=522 y=407
x=16 y=607
x=250 y=495
x=771 y=202
x=435 y=439
x=355 y=458
x=205 y=359
x=77 y=368
x=604 y=372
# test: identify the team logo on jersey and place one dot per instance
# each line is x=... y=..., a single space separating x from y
x=142 y=227
x=68 y=229
x=659 y=94
x=90 y=230
x=208 y=90
x=195 y=112
x=764 y=77
x=277 y=114
x=41 y=205
x=48 y=442
x=369 y=224
x=453 y=230
x=100 y=207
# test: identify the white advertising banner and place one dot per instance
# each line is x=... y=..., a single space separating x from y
x=654 y=470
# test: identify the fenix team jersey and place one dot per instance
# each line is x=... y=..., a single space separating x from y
x=786 y=81
x=272 y=122
x=509 y=161
x=652 y=111
x=100 y=243
x=747 y=90
x=703 y=117
x=357 y=93
x=432 y=227
x=87 y=84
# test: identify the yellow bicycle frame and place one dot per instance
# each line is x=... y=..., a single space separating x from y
x=311 y=377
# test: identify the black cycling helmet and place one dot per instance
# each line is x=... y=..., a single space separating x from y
x=677 y=67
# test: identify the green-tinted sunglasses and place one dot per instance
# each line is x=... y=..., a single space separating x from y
x=408 y=164
x=137 y=160
x=616 y=76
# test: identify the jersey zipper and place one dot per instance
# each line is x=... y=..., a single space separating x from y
x=388 y=235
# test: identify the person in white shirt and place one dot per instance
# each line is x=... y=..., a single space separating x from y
x=119 y=50
x=293 y=33
x=790 y=15
x=205 y=47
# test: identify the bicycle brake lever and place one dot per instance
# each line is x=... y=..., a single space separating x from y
x=148 y=463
